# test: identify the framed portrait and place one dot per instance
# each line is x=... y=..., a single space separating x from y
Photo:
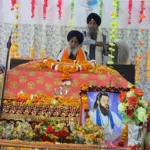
x=102 y=109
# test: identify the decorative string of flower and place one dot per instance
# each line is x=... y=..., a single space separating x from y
x=124 y=135
x=15 y=43
x=72 y=14
x=114 y=29
x=33 y=8
x=84 y=97
x=137 y=68
x=148 y=59
x=101 y=3
x=148 y=65
x=43 y=53
x=36 y=99
x=117 y=7
x=13 y=2
x=45 y=5
x=59 y=5
x=32 y=49
x=67 y=67
x=142 y=16
x=141 y=43
x=129 y=11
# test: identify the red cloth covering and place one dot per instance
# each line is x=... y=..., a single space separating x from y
x=25 y=77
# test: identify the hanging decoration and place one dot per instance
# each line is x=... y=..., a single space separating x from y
x=13 y=2
x=101 y=3
x=32 y=48
x=59 y=5
x=148 y=66
x=72 y=15
x=141 y=41
x=43 y=45
x=129 y=11
x=45 y=5
x=124 y=135
x=32 y=8
x=137 y=68
x=114 y=29
x=142 y=16
x=15 y=36
x=148 y=59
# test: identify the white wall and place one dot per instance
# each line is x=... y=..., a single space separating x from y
x=80 y=13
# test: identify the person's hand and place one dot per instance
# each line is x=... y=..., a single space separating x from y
x=100 y=44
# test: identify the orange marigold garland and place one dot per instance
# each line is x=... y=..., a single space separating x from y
x=84 y=98
x=141 y=41
x=137 y=68
x=36 y=99
x=148 y=59
x=148 y=66
x=124 y=135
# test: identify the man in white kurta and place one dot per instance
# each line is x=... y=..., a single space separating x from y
x=94 y=40
x=102 y=116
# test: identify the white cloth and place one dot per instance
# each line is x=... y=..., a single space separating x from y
x=109 y=133
x=88 y=41
x=60 y=55
x=98 y=50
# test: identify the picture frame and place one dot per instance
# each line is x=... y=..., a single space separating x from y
x=112 y=120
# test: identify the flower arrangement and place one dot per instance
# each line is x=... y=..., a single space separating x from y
x=132 y=107
x=69 y=66
x=29 y=99
x=52 y=131
x=16 y=130
x=88 y=133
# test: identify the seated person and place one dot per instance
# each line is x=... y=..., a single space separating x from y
x=73 y=50
x=121 y=53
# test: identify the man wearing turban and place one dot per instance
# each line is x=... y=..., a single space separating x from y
x=94 y=40
x=73 y=50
